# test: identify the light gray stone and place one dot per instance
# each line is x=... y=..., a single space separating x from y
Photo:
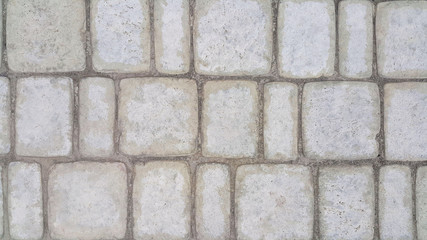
x=340 y=120
x=87 y=200
x=356 y=38
x=346 y=203
x=172 y=35
x=421 y=195
x=46 y=35
x=306 y=38
x=401 y=39
x=1 y=202
x=274 y=202
x=96 y=116
x=281 y=121
x=405 y=121
x=229 y=120
x=4 y=115
x=233 y=37
x=395 y=203
x=158 y=116
x=25 y=201
x=120 y=35
x=161 y=201
x=44 y=107
x=213 y=202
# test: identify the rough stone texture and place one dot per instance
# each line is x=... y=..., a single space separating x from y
x=44 y=107
x=172 y=35
x=405 y=121
x=4 y=115
x=356 y=38
x=346 y=202
x=158 y=116
x=45 y=35
x=213 y=202
x=229 y=120
x=281 y=121
x=340 y=120
x=87 y=200
x=421 y=202
x=1 y=202
x=25 y=201
x=274 y=202
x=233 y=37
x=161 y=201
x=395 y=203
x=97 y=115
x=306 y=38
x=120 y=35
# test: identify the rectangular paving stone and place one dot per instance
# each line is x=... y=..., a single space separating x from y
x=229 y=119
x=405 y=121
x=233 y=37
x=96 y=116
x=401 y=39
x=172 y=35
x=44 y=121
x=340 y=120
x=395 y=203
x=421 y=196
x=306 y=38
x=355 y=38
x=45 y=35
x=25 y=201
x=87 y=200
x=213 y=202
x=161 y=201
x=1 y=202
x=4 y=115
x=281 y=121
x=346 y=202
x=274 y=202
x=158 y=116
x=120 y=32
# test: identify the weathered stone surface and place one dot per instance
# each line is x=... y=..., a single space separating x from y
x=395 y=203
x=233 y=37
x=421 y=193
x=172 y=35
x=281 y=121
x=405 y=121
x=274 y=202
x=346 y=202
x=4 y=115
x=158 y=116
x=45 y=35
x=356 y=38
x=229 y=120
x=340 y=120
x=161 y=201
x=25 y=201
x=401 y=39
x=120 y=35
x=1 y=202
x=87 y=200
x=306 y=38
x=97 y=114
x=44 y=107
x=213 y=202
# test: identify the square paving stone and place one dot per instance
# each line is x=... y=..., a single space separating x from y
x=233 y=37
x=421 y=196
x=46 y=35
x=87 y=200
x=340 y=120
x=274 y=202
x=44 y=116
x=158 y=116
x=229 y=119
x=401 y=30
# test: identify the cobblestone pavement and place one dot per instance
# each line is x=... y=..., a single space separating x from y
x=213 y=119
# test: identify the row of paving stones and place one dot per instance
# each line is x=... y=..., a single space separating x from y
x=159 y=117
x=89 y=200
x=231 y=37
